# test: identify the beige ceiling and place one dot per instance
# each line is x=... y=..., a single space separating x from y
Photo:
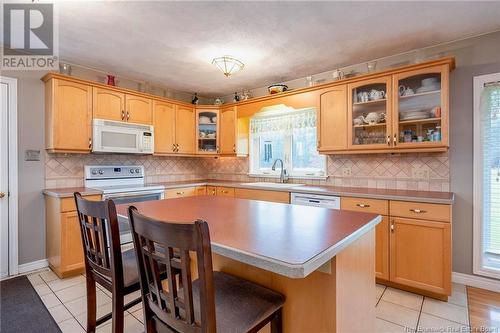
x=173 y=43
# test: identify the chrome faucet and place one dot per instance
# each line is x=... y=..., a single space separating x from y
x=283 y=174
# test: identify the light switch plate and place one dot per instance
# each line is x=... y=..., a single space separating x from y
x=32 y=155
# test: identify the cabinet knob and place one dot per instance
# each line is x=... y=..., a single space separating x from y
x=363 y=205
x=388 y=140
x=90 y=143
x=395 y=139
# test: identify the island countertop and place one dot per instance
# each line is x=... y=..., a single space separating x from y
x=286 y=239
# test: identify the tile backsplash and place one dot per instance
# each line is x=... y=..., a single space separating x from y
x=370 y=170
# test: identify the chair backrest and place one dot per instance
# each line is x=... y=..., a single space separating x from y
x=158 y=244
x=100 y=238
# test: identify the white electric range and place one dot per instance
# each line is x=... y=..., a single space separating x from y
x=123 y=184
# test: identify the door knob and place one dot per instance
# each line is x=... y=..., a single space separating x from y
x=2 y=195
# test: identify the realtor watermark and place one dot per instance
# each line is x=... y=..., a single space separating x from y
x=29 y=36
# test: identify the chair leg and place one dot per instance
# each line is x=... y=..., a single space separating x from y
x=276 y=322
x=118 y=313
x=91 y=303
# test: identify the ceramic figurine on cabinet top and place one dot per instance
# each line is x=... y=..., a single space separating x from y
x=195 y=99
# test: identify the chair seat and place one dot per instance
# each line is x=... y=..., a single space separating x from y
x=240 y=305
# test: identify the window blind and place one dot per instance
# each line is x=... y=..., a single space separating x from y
x=490 y=143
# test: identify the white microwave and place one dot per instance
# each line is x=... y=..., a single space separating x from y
x=118 y=137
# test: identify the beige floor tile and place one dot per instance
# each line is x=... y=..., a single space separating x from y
x=35 y=279
x=72 y=293
x=131 y=325
x=397 y=314
x=458 y=295
x=79 y=306
x=42 y=289
x=404 y=298
x=380 y=290
x=101 y=311
x=48 y=276
x=446 y=310
x=383 y=326
x=429 y=323
x=71 y=326
x=57 y=285
x=139 y=315
x=50 y=300
x=60 y=313
x=132 y=296
x=136 y=307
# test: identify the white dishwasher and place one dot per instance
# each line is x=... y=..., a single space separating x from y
x=316 y=200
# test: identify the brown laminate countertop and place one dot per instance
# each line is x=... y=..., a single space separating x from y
x=360 y=192
x=290 y=240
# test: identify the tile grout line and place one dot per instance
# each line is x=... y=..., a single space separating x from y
x=420 y=313
x=380 y=298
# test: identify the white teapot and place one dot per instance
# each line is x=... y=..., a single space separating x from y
x=372 y=118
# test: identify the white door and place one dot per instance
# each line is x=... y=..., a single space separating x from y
x=4 y=183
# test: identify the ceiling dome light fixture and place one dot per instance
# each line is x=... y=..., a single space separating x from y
x=228 y=65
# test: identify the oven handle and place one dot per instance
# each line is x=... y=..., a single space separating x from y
x=131 y=194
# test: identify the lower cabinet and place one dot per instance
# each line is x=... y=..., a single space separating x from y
x=382 y=249
x=225 y=191
x=420 y=254
x=63 y=236
x=274 y=196
x=180 y=192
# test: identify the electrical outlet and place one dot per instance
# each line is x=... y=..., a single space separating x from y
x=346 y=171
x=420 y=173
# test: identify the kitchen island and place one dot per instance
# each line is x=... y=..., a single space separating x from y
x=322 y=260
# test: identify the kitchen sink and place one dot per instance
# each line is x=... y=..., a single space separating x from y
x=273 y=185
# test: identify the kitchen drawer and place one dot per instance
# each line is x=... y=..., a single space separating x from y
x=274 y=196
x=180 y=192
x=225 y=191
x=419 y=210
x=68 y=204
x=211 y=190
x=375 y=206
x=201 y=190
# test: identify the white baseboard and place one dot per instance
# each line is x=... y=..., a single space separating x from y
x=34 y=265
x=476 y=281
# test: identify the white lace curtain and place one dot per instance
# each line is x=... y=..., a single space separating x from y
x=283 y=120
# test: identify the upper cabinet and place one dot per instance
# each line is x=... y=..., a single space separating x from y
x=420 y=100
x=164 y=124
x=332 y=112
x=207 y=131
x=185 y=130
x=68 y=116
x=114 y=105
x=228 y=130
x=369 y=114
x=108 y=104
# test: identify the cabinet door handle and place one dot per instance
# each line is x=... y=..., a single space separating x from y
x=128 y=115
x=234 y=148
x=388 y=140
x=418 y=211
x=173 y=147
x=363 y=205
x=180 y=193
x=90 y=143
x=176 y=148
x=392 y=226
x=395 y=139
x=123 y=115
x=225 y=192
x=217 y=149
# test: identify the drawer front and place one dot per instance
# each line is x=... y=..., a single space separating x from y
x=201 y=190
x=274 y=196
x=211 y=190
x=180 y=192
x=375 y=206
x=225 y=191
x=419 y=210
x=68 y=204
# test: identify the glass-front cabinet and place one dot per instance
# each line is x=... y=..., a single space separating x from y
x=369 y=114
x=207 y=131
x=421 y=108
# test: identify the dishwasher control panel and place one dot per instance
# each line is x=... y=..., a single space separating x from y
x=316 y=200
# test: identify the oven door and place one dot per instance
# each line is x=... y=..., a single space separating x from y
x=130 y=197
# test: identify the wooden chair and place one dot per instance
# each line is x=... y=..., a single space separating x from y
x=105 y=263
x=190 y=306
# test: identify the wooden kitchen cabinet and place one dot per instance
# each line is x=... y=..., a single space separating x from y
x=164 y=124
x=421 y=107
x=228 y=127
x=185 y=136
x=420 y=254
x=225 y=191
x=108 y=104
x=68 y=116
x=211 y=190
x=369 y=114
x=138 y=109
x=201 y=190
x=333 y=114
x=264 y=195
x=180 y=192
x=207 y=130
x=63 y=235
